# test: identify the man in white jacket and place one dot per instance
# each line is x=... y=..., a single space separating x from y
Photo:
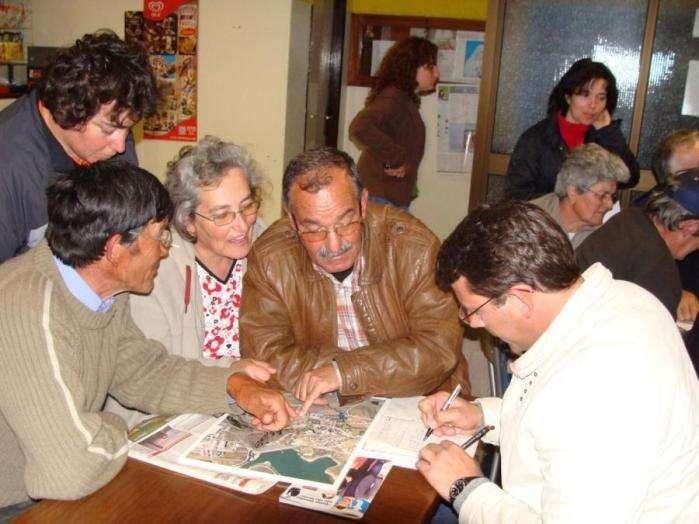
x=599 y=423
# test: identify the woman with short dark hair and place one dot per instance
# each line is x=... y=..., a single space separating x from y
x=580 y=111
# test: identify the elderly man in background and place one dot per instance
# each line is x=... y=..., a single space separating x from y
x=641 y=243
x=67 y=340
x=585 y=190
x=678 y=152
x=340 y=294
x=602 y=379
x=83 y=110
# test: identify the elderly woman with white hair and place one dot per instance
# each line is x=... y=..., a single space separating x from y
x=194 y=307
x=586 y=188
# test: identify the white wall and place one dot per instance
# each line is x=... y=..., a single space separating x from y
x=443 y=199
x=243 y=73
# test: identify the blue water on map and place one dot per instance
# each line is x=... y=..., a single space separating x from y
x=289 y=464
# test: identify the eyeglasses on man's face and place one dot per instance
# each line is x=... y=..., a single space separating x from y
x=465 y=316
x=606 y=195
x=164 y=237
x=341 y=230
x=247 y=211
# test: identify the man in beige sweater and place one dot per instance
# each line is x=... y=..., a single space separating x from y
x=67 y=339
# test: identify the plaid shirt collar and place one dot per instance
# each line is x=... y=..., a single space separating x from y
x=350 y=334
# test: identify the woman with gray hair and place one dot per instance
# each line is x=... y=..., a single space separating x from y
x=585 y=190
x=193 y=309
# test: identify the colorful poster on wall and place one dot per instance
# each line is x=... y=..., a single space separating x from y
x=168 y=30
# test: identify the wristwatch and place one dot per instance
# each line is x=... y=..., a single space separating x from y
x=458 y=486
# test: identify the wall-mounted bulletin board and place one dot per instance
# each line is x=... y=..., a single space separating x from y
x=459 y=58
x=372 y=35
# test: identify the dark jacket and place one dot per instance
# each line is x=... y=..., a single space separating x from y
x=390 y=132
x=541 y=150
x=30 y=159
x=289 y=314
x=630 y=246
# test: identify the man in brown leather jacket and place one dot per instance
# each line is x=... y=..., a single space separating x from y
x=340 y=295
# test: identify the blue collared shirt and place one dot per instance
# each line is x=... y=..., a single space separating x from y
x=81 y=290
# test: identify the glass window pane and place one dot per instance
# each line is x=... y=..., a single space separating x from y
x=542 y=39
x=673 y=48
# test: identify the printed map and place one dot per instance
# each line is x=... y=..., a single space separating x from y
x=314 y=450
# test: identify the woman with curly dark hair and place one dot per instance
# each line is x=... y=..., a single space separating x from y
x=580 y=111
x=389 y=130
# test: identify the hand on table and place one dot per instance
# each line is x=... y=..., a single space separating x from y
x=315 y=383
x=441 y=464
x=462 y=417
x=255 y=369
x=268 y=406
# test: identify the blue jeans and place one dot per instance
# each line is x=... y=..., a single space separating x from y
x=444 y=515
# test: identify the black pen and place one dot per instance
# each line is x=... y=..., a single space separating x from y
x=477 y=436
x=446 y=406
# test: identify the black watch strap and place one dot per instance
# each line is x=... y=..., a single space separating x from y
x=458 y=486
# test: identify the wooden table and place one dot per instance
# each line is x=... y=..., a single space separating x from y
x=145 y=493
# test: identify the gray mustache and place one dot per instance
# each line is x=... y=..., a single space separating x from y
x=324 y=252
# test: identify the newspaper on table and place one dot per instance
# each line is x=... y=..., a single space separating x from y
x=397 y=434
x=316 y=450
x=161 y=440
x=354 y=496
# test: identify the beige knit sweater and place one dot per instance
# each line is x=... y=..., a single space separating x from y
x=58 y=361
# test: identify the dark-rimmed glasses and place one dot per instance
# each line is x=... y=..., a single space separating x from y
x=465 y=316
x=223 y=219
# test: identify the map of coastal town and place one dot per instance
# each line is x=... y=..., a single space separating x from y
x=313 y=450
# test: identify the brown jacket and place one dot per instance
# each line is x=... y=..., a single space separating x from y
x=289 y=318
x=390 y=132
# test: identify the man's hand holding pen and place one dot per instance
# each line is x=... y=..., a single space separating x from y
x=462 y=417
x=443 y=463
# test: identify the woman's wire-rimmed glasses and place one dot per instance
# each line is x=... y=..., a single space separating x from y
x=223 y=219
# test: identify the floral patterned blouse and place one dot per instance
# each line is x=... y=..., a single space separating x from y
x=221 y=305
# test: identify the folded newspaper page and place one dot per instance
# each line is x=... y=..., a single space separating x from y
x=397 y=434
x=161 y=440
x=359 y=487
x=316 y=450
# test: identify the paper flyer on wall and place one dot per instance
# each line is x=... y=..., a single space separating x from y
x=169 y=32
x=690 y=103
x=161 y=440
x=457 y=111
x=315 y=450
x=459 y=55
x=359 y=487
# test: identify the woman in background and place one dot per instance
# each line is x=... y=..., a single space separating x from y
x=579 y=112
x=586 y=188
x=389 y=130
x=193 y=308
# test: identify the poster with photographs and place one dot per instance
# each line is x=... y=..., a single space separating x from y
x=168 y=31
